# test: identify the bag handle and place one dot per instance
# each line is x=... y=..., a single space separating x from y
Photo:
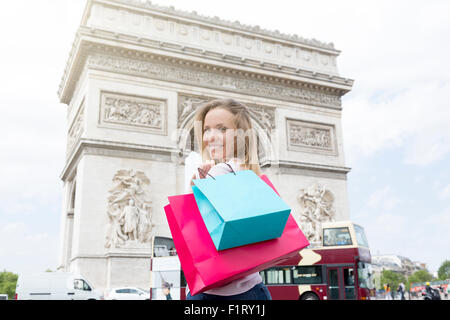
x=203 y=171
x=230 y=168
x=204 y=174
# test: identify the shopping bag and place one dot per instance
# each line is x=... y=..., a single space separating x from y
x=204 y=267
x=239 y=208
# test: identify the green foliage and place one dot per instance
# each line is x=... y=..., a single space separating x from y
x=419 y=276
x=444 y=270
x=393 y=278
x=8 y=282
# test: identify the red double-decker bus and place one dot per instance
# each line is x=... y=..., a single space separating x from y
x=337 y=269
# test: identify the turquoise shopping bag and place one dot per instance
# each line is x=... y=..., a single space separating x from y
x=239 y=208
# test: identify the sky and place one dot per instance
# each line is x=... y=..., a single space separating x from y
x=396 y=119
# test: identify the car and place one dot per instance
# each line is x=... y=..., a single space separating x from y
x=127 y=293
x=3 y=297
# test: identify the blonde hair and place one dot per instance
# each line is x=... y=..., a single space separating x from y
x=241 y=121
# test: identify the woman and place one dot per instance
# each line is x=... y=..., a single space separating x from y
x=227 y=143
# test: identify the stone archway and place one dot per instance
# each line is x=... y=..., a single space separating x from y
x=132 y=83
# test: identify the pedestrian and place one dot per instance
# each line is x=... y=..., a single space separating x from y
x=166 y=290
x=401 y=290
x=228 y=143
x=388 y=292
x=447 y=291
x=441 y=289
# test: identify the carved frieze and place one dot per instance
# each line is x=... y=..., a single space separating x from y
x=135 y=113
x=317 y=206
x=214 y=77
x=76 y=129
x=310 y=137
x=187 y=105
x=129 y=210
x=263 y=115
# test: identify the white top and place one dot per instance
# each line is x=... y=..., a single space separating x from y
x=246 y=283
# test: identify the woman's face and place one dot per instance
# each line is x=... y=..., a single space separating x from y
x=218 y=134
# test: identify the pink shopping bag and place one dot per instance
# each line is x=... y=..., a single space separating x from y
x=204 y=267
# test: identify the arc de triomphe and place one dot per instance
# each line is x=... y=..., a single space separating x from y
x=134 y=78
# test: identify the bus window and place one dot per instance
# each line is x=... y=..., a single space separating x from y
x=349 y=283
x=361 y=236
x=275 y=276
x=163 y=247
x=365 y=275
x=278 y=275
x=307 y=275
x=263 y=276
x=287 y=276
x=333 y=284
x=336 y=237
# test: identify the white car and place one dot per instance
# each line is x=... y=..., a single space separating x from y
x=128 y=293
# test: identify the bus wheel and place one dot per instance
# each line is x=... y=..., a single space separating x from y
x=309 y=296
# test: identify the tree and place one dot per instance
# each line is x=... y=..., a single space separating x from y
x=444 y=270
x=393 y=278
x=419 y=276
x=8 y=282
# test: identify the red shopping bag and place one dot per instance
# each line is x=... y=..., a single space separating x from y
x=204 y=267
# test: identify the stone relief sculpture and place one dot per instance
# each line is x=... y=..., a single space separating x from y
x=129 y=210
x=76 y=130
x=317 y=206
x=171 y=71
x=129 y=219
x=265 y=116
x=128 y=111
x=311 y=137
x=187 y=106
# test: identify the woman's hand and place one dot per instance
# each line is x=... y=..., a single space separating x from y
x=205 y=167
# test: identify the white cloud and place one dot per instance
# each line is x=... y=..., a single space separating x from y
x=425 y=240
x=431 y=239
x=416 y=119
x=402 y=81
x=445 y=193
x=25 y=249
x=12 y=228
x=384 y=199
x=441 y=220
x=32 y=128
